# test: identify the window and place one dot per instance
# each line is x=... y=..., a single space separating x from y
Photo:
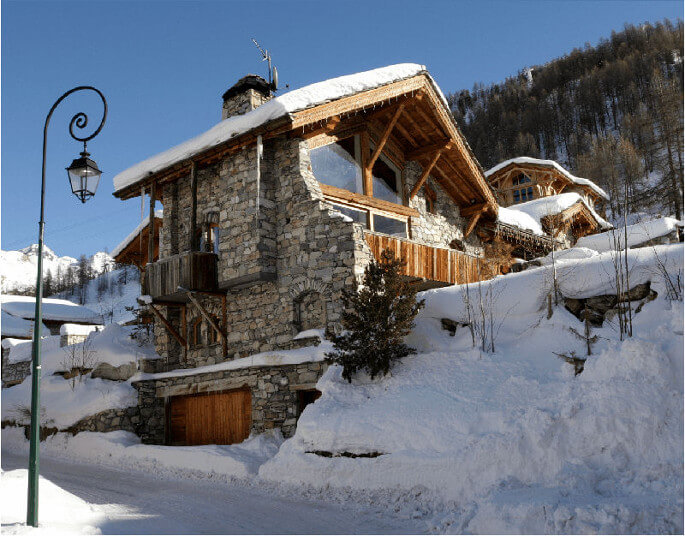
x=356 y=215
x=196 y=332
x=386 y=180
x=520 y=179
x=212 y=335
x=337 y=164
x=524 y=194
x=431 y=198
x=390 y=226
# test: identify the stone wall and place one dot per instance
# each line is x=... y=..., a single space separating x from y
x=109 y=420
x=14 y=373
x=274 y=394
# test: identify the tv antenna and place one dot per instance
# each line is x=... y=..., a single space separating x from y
x=273 y=72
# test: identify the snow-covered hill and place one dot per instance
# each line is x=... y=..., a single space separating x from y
x=18 y=268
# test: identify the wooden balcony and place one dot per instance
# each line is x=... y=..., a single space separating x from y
x=427 y=266
x=168 y=279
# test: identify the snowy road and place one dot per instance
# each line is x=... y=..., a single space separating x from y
x=136 y=503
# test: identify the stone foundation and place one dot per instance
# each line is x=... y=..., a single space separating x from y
x=14 y=373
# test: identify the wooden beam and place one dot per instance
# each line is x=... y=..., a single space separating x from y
x=473 y=209
x=193 y=206
x=206 y=315
x=151 y=226
x=364 y=201
x=424 y=175
x=472 y=222
x=427 y=149
x=181 y=340
x=384 y=138
x=367 y=178
x=225 y=323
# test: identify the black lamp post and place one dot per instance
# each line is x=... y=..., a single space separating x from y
x=84 y=176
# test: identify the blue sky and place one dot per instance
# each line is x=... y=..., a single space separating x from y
x=164 y=65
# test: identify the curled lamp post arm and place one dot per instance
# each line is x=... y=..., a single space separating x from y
x=80 y=121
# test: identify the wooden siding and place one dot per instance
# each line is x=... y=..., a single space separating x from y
x=426 y=262
x=191 y=271
x=220 y=418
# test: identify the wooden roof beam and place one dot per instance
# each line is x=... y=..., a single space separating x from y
x=428 y=149
x=386 y=135
x=474 y=220
x=425 y=174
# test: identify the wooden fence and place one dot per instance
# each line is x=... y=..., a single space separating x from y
x=427 y=262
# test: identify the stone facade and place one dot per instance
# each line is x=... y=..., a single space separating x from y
x=13 y=373
x=274 y=394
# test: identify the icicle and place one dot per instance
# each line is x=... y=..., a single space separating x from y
x=260 y=153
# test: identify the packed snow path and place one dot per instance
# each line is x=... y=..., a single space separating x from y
x=136 y=503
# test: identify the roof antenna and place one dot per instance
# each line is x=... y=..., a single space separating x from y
x=273 y=72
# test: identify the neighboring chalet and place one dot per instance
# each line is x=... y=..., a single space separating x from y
x=55 y=312
x=270 y=215
x=543 y=205
x=135 y=248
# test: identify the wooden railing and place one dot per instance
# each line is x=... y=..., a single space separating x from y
x=191 y=271
x=426 y=262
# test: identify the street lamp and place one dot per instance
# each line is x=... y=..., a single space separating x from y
x=84 y=176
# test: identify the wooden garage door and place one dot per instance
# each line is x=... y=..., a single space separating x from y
x=210 y=418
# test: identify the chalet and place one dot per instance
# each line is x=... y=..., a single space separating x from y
x=55 y=314
x=135 y=248
x=543 y=206
x=270 y=215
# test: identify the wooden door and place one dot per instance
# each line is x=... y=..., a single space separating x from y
x=219 y=418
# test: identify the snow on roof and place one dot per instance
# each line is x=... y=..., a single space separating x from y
x=53 y=309
x=637 y=234
x=14 y=326
x=79 y=329
x=548 y=163
x=537 y=209
x=283 y=105
x=519 y=219
x=126 y=241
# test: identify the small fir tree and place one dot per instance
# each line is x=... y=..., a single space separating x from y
x=377 y=317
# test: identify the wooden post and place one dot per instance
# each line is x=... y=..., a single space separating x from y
x=225 y=323
x=151 y=226
x=206 y=315
x=193 y=207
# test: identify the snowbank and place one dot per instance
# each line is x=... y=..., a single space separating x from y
x=548 y=163
x=54 y=503
x=142 y=225
x=124 y=450
x=638 y=233
x=278 y=107
x=20 y=350
x=53 y=309
x=63 y=405
x=518 y=441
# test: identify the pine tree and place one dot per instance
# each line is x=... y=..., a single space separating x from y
x=377 y=317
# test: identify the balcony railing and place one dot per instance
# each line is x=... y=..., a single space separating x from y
x=427 y=263
x=169 y=278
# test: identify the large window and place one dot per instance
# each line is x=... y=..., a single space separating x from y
x=337 y=164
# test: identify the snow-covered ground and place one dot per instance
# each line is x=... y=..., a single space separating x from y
x=518 y=441
x=455 y=439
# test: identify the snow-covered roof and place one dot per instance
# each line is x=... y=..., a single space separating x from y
x=637 y=234
x=126 y=241
x=53 y=309
x=14 y=326
x=79 y=329
x=548 y=163
x=528 y=215
x=519 y=219
x=278 y=107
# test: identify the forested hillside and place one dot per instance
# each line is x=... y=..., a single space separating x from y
x=611 y=112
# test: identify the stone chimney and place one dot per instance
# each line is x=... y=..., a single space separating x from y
x=245 y=95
